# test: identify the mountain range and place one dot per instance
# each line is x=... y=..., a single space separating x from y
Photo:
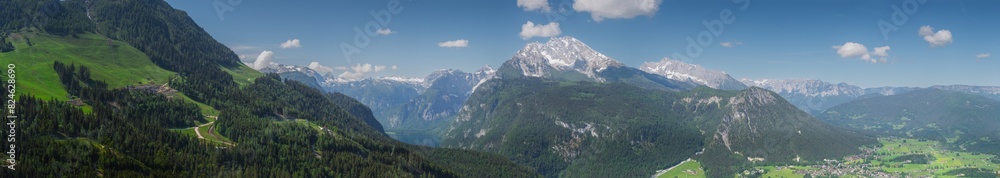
x=691 y=73
x=961 y=120
x=427 y=105
x=135 y=88
x=567 y=58
x=816 y=96
x=570 y=129
x=564 y=109
x=421 y=105
x=812 y=96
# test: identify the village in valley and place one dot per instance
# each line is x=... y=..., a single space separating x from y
x=895 y=157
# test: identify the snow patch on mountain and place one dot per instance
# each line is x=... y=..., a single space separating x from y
x=807 y=87
x=403 y=79
x=486 y=74
x=562 y=54
x=681 y=71
x=282 y=68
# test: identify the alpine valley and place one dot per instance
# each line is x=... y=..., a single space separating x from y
x=566 y=110
x=137 y=88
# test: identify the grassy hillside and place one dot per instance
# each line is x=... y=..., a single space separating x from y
x=242 y=74
x=118 y=64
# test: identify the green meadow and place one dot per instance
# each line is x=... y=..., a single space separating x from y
x=118 y=64
x=905 y=157
x=688 y=169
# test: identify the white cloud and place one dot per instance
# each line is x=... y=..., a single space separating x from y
x=358 y=71
x=730 y=44
x=939 y=38
x=926 y=30
x=529 y=30
x=264 y=60
x=362 y=68
x=292 y=43
x=384 y=31
x=394 y=67
x=881 y=51
x=340 y=67
x=320 y=68
x=352 y=76
x=454 y=44
x=852 y=49
x=982 y=56
x=531 y=5
x=621 y=9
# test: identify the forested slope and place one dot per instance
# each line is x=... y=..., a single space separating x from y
x=118 y=131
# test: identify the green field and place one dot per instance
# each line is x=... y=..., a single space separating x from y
x=944 y=160
x=687 y=169
x=896 y=156
x=242 y=74
x=785 y=172
x=186 y=131
x=205 y=109
x=308 y=124
x=117 y=64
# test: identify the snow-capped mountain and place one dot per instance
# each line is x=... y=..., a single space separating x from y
x=384 y=95
x=558 y=56
x=812 y=96
x=807 y=87
x=282 y=68
x=484 y=74
x=447 y=91
x=298 y=73
x=987 y=91
x=887 y=91
x=682 y=71
x=566 y=58
x=409 y=104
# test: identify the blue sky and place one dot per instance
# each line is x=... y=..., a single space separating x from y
x=774 y=39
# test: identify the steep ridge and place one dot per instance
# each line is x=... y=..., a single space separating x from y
x=437 y=105
x=385 y=96
x=566 y=58
x=415 y=105
x=564 y=128
x=759 y=126
x=574 y=129
x=561 y=57
x=681 y=71
x=812 y=96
